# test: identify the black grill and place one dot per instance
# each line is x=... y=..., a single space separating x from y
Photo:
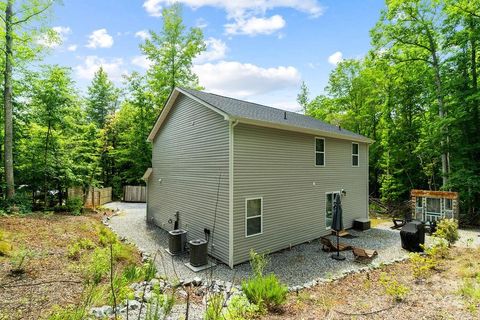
x=413 y=236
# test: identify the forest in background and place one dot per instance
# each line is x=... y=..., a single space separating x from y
x=415 y=93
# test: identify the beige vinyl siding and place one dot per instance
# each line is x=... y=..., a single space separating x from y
x=279 y=166
x=190 y=151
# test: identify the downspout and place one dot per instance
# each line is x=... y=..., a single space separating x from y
x=231 y=125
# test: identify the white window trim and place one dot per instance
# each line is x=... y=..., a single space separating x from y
x=325 y=212
x=247 y=217
x=357 y=154
x=315 y=152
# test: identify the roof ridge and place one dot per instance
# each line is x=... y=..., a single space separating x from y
x=244 y=101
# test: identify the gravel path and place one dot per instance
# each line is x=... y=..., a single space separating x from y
x=295 y=267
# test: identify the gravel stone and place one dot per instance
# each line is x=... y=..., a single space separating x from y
x=302 y=264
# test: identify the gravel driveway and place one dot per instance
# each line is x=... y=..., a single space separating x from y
x=300 y=265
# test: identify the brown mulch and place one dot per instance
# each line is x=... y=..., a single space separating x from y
x=49 y=277
x=362 y=296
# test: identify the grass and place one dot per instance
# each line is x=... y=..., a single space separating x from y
x=60 y=250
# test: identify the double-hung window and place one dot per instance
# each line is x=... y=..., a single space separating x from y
x=253 y=216
x=319 y=152
x=355 y=154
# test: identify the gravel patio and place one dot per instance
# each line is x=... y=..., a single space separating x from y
x=303 y=264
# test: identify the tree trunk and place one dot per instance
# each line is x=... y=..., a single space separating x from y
x=7 y=102
x=441 y=108
x=45 y=175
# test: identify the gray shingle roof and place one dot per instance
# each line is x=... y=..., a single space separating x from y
x=240 y=109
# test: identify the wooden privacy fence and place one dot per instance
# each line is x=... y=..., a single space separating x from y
x=96 y=198
x=135 y=194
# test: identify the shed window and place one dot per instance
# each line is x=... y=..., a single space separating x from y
x=253 y=216
x=355 y=154
x=320 y=152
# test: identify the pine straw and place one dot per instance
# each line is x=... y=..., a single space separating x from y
x=49 y=277
x=361 y=296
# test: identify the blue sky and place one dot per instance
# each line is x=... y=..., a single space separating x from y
x=258 y=50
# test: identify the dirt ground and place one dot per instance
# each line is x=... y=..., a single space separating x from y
x=50 y=278
x=362 y=296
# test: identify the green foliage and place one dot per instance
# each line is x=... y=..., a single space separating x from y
x=160 y=305
x=74 y=205
x=214 y=307
x=106 y=236
x=5 y=245
x=258 y=262
x=102 y=99
x=75 y=249
x=172 y=51
x=470 y=291
x=265 y=291
x=447 y=229
x=20 y=203
x=149 y=270
x=423 y=264
x=239 y=308
x=393 y=288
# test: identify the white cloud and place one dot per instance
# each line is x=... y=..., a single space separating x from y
x=72 y=47
x=142 y=34
x=141 y=61
x=253 y=26
x=100 y=39
x=61 y=34
x=239 y=8
x=335 y=58
x=243 y=11
x=216 y=50
x=245 y=80
x=153 y=7
x=113 y=67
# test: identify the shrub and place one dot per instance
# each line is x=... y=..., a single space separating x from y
x=214 y=307
x=106 y=237
x=74 y=205
x=393 y=288
x=470 y=291
x=132 y=273
x=148 y=270
x=20 y=203
x=258 y=262
x=265 y=291
x=5 y=245
x=422 y=265
x=239 y=308
x=159 y=302
x=76 y=248
x=447 y=229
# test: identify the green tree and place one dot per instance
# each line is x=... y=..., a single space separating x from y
x=171 y=52
x=102 y=99
x=303 y=97
x=53 y=96
x=21 y=25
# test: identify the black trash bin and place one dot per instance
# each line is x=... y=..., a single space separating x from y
x=413 y=236
x=176 y=241
x=198 y=252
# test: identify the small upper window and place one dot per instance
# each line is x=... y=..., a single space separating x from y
x=320 y=152
x=355 y=154
x=254 y=213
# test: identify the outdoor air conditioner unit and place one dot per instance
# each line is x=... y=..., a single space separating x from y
x=198 y=252
x=176 y=241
